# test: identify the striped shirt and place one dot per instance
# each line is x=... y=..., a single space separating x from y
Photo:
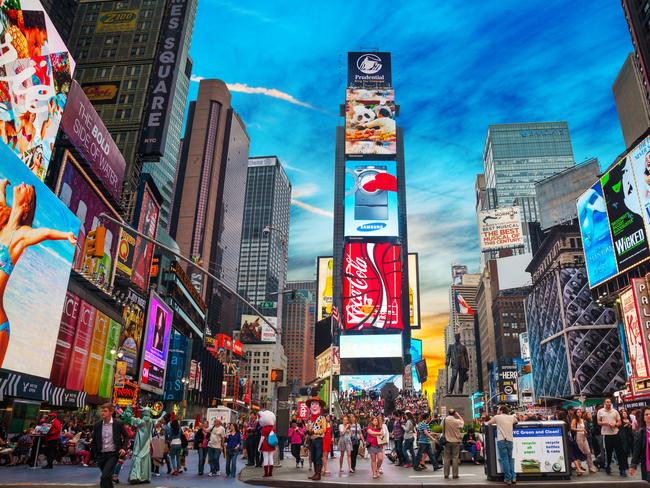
x=423 y=428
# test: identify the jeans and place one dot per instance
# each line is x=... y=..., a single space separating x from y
x=214 y=455
x=422 y=448
x=231 y=462
x=504 y=449
x=399 y=449
x=472 y=450
x=353 y=455
x=451 y=458
x=407 y=449
x=175 y=456
x=316 y=451
x=203 y=453
x=613 y=444
x=295 y=452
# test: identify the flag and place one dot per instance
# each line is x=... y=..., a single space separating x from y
x=462 y=307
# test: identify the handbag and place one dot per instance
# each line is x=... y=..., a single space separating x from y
x=273 y=439
x=442 y=440
x=362 y=450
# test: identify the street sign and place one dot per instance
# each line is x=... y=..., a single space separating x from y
x=268 y=304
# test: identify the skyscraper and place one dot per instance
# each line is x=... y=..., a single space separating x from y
x=637 y=14
x=516 y=156
x=209 y=204
x=62 y=13
x=116 y=45
x=298 y=332
x=631 y=100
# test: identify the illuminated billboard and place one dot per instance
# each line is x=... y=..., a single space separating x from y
x=37 y=243
x=325 y=265
x=416 y=357
x=414 y=291
x=500 y=228
x=596 y=237
x=372 y=287
x=149 y=211
x=255 y=331
x=370 y=122
x=634 y=337
x=370 y=346
x=369 y=69
x=371 y=199
x=36 y=78
x=156 y=345
x=368 y=382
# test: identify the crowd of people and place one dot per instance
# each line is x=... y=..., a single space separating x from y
x=411 y=438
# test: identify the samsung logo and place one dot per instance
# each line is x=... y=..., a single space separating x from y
x=371 y=227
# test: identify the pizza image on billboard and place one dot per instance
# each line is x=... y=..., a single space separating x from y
x=370 y=122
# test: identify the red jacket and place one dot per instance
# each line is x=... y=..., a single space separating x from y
x=55 y=431
x=265 y=434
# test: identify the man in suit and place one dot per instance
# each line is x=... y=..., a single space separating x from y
x=110 y=441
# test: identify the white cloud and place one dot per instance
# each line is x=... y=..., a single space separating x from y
x=260 y=90
x=312 y=209
x=304 y=191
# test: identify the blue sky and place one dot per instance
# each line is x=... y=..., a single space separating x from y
x=457 y=67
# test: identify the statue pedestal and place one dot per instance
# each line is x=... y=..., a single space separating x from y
x=461 y=403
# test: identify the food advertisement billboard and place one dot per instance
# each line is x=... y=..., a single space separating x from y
x=370 y=126
x=414 y=291
x=372 y=287
x=596 y=236
x=143 y=252
x=370 y=203
x=538 y=449
x=369 y=69
x=97 y=242
x=255 y=331
x=87 y=132
x=500 y=228
x=35 y=82
x=625 y=216
x=325 y=266
x=156 y=345
x=634 y=336
x=33 y=276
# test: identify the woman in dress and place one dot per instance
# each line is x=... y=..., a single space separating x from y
x=372 y=434
x=345 y=443
x=383 y=442
x=327 y=446
x=579 y=430
x=576 y=456
x=16 y=235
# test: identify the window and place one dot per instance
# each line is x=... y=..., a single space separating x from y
x=126 y=99
x=137 y=51
x=130 y=84
x=141 y=38
x=144 y=25
x=90 y=17
x=123 y=113
x=114 y=39
x=146 y=14
x=109 y=52
x=84 y=41
x=133 y=70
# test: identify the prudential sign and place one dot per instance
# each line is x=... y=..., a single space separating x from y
x=369 y=69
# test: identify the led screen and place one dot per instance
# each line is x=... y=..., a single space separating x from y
x=374 y=346
x=156 y=345
x=372 y=287
x=371 y=199
x=255 y=331
x=33 y=276
x=353 y=383
x=414 y=291
x=416 y=356
x=370 y=122
x=324 y=298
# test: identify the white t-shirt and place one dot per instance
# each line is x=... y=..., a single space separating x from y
x=217 y=436
x=504 y=424
x=608 y=417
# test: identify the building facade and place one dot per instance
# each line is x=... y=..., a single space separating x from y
x=209 y=202
x=298 y=338
x=116 y=45
x=574 y=341
x=637 y=14
x=306 y=289
x=260 y=360
x=631 y=100
x=62 y=13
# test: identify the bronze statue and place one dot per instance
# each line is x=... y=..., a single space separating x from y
x=458 y=359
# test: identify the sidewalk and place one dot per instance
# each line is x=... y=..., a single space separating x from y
x=396 y=477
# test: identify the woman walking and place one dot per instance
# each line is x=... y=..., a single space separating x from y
x=382 y=440
x=296 y=437
x=373 y=432
x=176 y=444
x=345 y=444
x=576 y=456
x=626 y=433
x=356 y=434
x=233 y=446
x=579 y=430
x=640 y=452
x=409 y=439
x=201 y=445
x=327 y=445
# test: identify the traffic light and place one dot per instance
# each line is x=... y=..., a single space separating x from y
x=277 y=375
x=94 y=246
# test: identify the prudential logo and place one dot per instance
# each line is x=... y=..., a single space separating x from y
x=369 y=64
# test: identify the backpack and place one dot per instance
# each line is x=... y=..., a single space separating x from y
x=273 y=439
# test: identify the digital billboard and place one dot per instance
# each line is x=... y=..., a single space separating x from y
x=324 y=269
x=255 y=331
x=131 y=338
x=149 y=211
x=37 y=242
x=371 y=199
x=416 y=357
x=156 y=345
x=374 y=346
x=625 y=215
x=596 y=237
x=634 y=336
x=369 y=69
x=414 y=291
x=370 y=126
x=639 y=158
x=372 y=287
x=500 y=228
x=363 y=382
x=97 y=242
x=35 y=82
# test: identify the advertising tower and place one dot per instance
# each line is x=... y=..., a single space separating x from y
x=370 y=272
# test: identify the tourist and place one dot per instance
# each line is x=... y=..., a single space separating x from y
x=425 y=438
x=505 y=423
x=356 y=434
x=451 y=430
x=579 y=430
x=345 y=443
x=610 y=422
x=296 y=437
x=409 y=439
x=640 y=450
x=373 y=433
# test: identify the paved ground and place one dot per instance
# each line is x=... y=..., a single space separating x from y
x=290 y=477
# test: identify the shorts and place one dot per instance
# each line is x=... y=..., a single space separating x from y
x=345 y=444
x=375 y=449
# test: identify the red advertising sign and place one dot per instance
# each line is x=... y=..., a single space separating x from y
x=224 y=342
x=64 y=342
x=302 y=412
x=237 y=348
x=372 y=286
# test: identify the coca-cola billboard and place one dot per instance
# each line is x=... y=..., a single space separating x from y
x=372 y=286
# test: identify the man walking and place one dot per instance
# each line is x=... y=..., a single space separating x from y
x=424 y=443
x=610 y=420
x=451 y=429
x=52 y=440
x=110 y=440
